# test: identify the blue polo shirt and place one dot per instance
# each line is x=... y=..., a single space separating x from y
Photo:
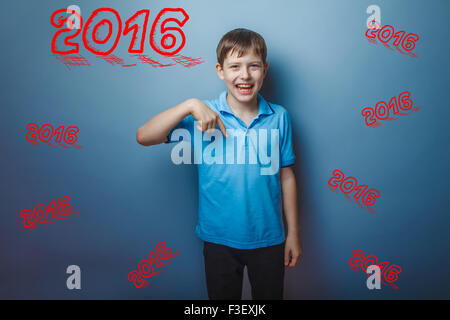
x=240 y=202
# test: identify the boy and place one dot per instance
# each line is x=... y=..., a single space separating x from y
x=240 y=209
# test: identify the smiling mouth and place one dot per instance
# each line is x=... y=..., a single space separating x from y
x=244 y=88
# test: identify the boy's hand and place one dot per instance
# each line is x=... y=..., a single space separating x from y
x=292 y=251
x=206 y=116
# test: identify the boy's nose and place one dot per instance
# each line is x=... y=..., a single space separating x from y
x=245 y=74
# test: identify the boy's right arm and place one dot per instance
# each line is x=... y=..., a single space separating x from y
x=155 y=131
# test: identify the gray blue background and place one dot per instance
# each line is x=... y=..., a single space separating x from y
x=322 y=70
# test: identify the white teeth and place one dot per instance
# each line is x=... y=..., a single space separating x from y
x=244 y=85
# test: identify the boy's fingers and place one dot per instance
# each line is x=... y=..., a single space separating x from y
x=286 y=257
x=204 y=126
x=291 y=261
x=208 y=127
x=199 y=124
x=294 y=261
x=222 y=127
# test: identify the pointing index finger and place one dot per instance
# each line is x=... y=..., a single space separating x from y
x=222 y=127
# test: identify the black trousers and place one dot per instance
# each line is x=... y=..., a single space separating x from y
x=224 y=268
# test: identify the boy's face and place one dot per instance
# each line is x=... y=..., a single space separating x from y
x=243 y=76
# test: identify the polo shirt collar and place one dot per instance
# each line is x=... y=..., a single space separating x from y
x=264 y=107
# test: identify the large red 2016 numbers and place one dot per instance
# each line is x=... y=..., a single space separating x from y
x=41 y=213
x=146 y=267
x=390 y=274
x=350 y=184
x=162 y=38
x=46 y=133
x=386 y=33
x=381 y=111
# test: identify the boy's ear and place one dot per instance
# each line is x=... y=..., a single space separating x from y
x=219 y=71
x=266 y=66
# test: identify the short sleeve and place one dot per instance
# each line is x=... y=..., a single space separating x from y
x=184 y=130
x=287 y=145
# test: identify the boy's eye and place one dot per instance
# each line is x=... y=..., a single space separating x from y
x=253 y=65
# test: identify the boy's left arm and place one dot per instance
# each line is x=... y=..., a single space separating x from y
x=293 y=248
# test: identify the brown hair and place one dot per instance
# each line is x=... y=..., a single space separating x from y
x=241 y=40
